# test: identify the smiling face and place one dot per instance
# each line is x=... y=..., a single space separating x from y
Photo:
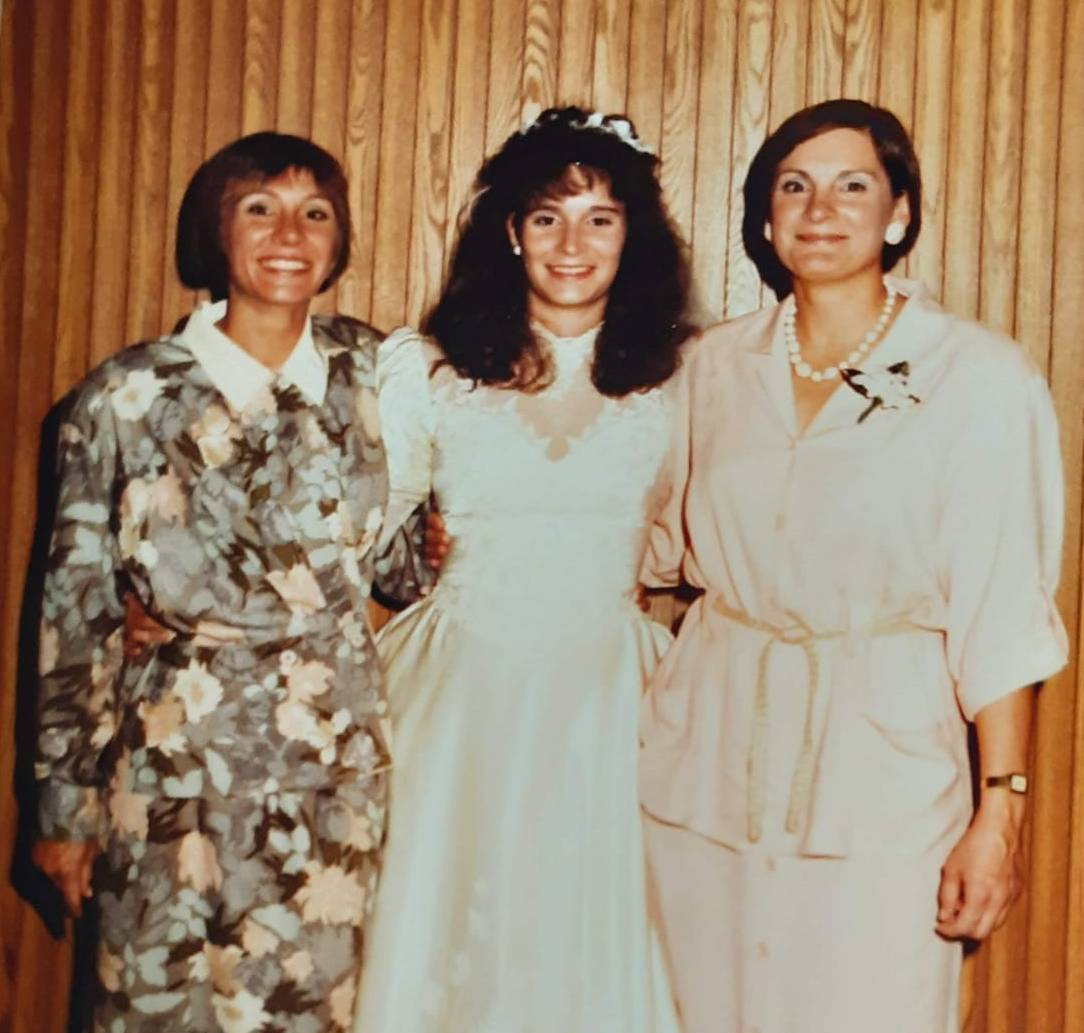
x=281 y=240
x=571 y=252
x=831 y=202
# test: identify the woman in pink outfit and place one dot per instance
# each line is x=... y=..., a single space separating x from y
x=868 y=490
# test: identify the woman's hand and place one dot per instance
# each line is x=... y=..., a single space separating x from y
x=69 y=865
x=437 y=542
x=984 y=873
x=141 y=630
x=981 y=878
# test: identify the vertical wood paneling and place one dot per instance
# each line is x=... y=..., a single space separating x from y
x=330 y=100
x=609 y=92
x=896 y=77
x=680 y=96
x=1038 y=170
x=469 y=99
x=107 y=108
x=113 y=211
x=787 y=88
x=504 y=114
x=44 y=37
x=297 y=48
x=225 y=73
x=154 y=111
x=14 y=91
x=430 y=205
x=1056 y=941
x=1001 y=179
x=963 y=188
x=824 y=71
x=361 y=151
x=396 y=179
x=1067 y=361
x=191 y=55
x=80 y=142
x=749 y=126
x=540 y=64
x=576 y=57
x=721 y=39
x=647 y=53
x=862 y=48
x=259 y=92
x=933 y=74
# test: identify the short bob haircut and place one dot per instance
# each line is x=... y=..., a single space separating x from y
x=894 y=150
x=202 y=263
x=481 y=320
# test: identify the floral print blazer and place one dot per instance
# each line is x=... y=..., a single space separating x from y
x=250 y=534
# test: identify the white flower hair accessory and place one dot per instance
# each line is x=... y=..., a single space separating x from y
x=615 y=125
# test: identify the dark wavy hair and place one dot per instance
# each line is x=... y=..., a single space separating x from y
x=254 y=159
x=481 y=320
x=894 y=150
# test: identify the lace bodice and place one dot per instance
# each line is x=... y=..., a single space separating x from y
x=546 y=495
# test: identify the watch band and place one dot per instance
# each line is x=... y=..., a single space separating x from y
x=1015 y=782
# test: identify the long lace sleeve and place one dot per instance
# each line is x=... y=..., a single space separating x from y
x=406 y=422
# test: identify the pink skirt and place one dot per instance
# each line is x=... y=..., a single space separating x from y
x=758 y=942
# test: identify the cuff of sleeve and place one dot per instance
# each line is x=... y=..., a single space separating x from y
x=1002 y=673
x=68 y=812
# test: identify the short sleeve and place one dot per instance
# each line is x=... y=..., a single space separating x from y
x=666 y=537
x=406 y=424
x=81 y=617
x=1001 y=545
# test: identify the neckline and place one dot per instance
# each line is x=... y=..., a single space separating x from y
x=842 y=399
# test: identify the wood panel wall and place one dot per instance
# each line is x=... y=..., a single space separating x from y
x=107 y=106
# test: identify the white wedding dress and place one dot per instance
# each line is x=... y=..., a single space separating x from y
x=512 y=897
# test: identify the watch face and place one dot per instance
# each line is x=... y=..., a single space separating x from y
x=1018 y=783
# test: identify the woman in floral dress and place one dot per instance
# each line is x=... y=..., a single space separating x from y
x=868 y=490
x=228 y=786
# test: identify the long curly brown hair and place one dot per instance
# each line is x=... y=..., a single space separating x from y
x=481 y=320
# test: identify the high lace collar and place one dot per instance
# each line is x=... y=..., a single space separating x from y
x=568 y=354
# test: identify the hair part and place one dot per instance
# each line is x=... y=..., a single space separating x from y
x=247 y=163
x=481 y=321
x=894 y=151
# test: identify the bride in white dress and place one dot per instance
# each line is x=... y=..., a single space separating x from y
x=512 y=897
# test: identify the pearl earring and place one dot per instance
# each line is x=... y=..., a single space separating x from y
x=768 y=232
x=517 y=250
x=894 y=232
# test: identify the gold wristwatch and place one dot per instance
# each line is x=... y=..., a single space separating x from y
x=1015 y=782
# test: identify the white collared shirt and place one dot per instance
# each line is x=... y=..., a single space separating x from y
x=237 y=374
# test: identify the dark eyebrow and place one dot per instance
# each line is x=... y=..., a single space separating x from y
x=845 y=172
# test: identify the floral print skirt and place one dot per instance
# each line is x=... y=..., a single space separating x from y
x=239 y=913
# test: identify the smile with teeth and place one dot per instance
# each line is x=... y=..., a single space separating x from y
x=285 y=265
x=570 y=270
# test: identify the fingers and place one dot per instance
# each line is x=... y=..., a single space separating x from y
x=437 y=541
x=641 y=599
x=950 y=898
x=69 y=865
x=86 y=875
x=973 y=909
x=70 y=890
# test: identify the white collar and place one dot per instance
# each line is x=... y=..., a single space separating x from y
x=237 y=375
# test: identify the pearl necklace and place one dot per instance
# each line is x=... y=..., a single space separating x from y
x=794 y=349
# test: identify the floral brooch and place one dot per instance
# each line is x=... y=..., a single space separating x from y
x=884 y=388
